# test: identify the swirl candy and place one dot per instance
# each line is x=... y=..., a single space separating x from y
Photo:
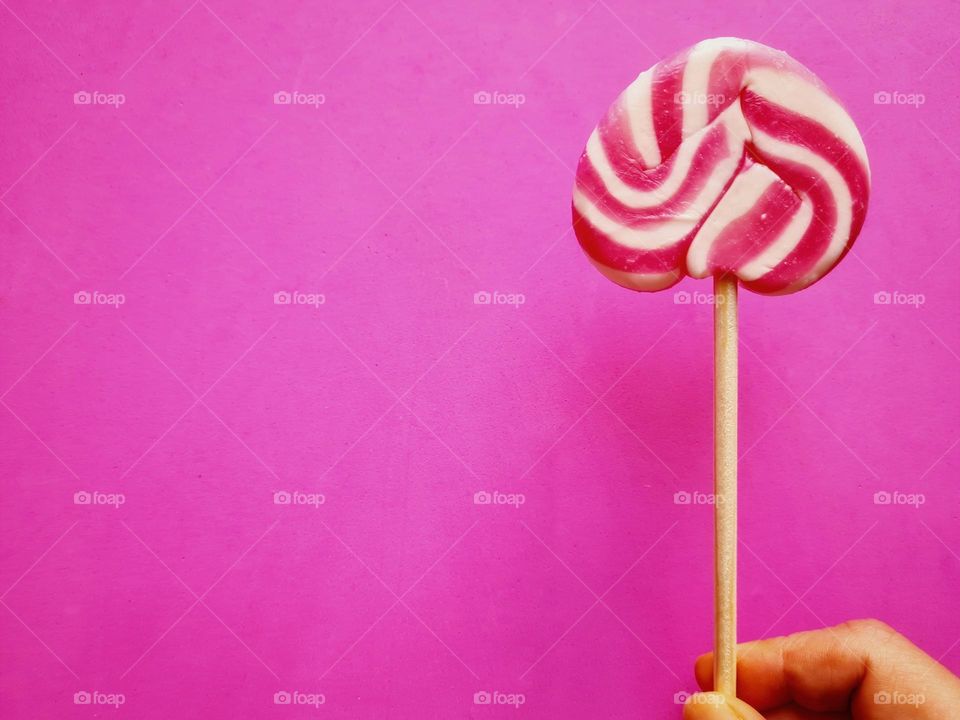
x=734 y=161
x=729 y=158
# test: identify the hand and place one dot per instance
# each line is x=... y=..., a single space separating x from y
x=861 y=670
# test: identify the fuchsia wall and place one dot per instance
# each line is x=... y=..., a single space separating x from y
x=588 y=408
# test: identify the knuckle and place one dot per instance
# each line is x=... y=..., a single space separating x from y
x=869 y=627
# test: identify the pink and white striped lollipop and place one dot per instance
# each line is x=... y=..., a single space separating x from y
x=729 y=158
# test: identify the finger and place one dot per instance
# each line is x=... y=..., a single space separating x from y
x=818 y=670
x=813 y=670
x=794 y=712
x=714 y=706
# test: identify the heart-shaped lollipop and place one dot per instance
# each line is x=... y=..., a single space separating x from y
x=728 y=158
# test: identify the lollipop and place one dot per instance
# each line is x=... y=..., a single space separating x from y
x=734 y=161
x=728 y=159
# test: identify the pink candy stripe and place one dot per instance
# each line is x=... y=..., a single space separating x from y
x=726 y=79
x=814 y=241
x=666 y=87
x=752 y=233
x=617 y=256
x=798 y=130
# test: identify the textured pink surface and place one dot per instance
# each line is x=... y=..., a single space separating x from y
x=399 y=398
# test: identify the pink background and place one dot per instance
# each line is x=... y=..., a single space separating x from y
x=399 y=398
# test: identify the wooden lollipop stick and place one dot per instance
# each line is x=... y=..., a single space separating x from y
x=725 y=484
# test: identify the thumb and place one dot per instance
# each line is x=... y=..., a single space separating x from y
x=714 y=706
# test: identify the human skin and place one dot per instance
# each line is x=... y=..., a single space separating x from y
x=863 y=669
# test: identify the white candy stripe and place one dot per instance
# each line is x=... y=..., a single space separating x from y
x=696 y=85
x=638 y=105
x=774 y=253
x=667 y=232
x=748 y=187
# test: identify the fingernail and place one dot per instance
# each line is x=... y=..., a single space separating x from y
x=715 y=706
x=710 y=705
